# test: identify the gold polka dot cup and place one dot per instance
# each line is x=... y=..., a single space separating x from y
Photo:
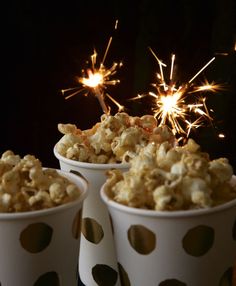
x=41 y=248
x=178 y=248
x=97 y=259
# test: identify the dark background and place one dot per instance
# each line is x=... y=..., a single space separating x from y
x=46 y=44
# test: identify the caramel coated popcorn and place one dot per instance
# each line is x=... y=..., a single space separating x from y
x=114 y=139
x=163 y=177
x=26 y=186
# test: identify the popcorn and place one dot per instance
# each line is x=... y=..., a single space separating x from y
x=163 y=177
x=115 y=139
x=26 y=186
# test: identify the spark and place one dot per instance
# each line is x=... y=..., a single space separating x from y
x=221 y=54
x=172 y=66
x=227 y=53
x=96 y=79
x=181 y=107
x=204 y=67
x=139 y=96
x=221 y=135
x=193 y=125
x=161 y=64
x=120 y=107
x=207 y=86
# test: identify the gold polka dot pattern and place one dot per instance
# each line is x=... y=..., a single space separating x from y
x=104 y=275
x=124 y=278
x=198 y=240
x=76 y=225
x=42 y=234
x=141 y=239
x=48 y=279
x=160 y=244
x=92 y=230
x=172 y=282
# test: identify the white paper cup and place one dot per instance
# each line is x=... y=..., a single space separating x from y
x=97 y=259
x=41 y=248
x=179 y=248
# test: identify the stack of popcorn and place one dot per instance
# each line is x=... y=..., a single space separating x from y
x=133 y=194
x=39 y=222
x=173 y=213
x=111 y=143
x=166 y=205
x=115 y=139
x=169 y=178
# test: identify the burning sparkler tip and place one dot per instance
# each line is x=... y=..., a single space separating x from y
x=96 y=78
x=172 y=104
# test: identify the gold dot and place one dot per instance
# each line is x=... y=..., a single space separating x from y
x=124 y=278
x=198 y=240
x=172 y=282
x=76 y=225
x=104 y=275
x=141 y=239
x=36 y=237
x=92 y=230
x=48 y=279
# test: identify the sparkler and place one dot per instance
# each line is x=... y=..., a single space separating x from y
x=96 y=79
x=171 y=101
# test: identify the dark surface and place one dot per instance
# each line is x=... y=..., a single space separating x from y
x=46 y=44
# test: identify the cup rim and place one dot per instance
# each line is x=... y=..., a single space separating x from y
x=83 y=185
x=89 y=165
x=164 y=214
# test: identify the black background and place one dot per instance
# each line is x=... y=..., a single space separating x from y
x=46 y=44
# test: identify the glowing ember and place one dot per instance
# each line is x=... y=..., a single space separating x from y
x=169 y=107
x=93 y=80
x=96 y=80
x=221 y=135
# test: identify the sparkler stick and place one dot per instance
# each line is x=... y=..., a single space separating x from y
x=98 y=79
x=100 y=98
